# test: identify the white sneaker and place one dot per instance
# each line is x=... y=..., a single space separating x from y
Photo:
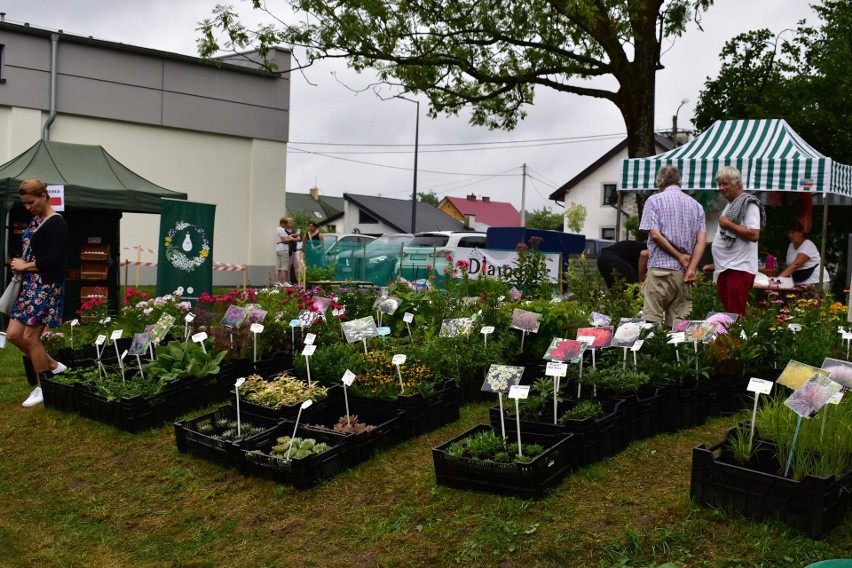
x=60 y=368
x=34 y=399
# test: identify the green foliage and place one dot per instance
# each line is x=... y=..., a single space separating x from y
x=742 y=445
x=544 y=219
x=488 y=445
x=431 y=48
x=300 y=448
x=575 y=217
x=282 y=390
x=585 y=283
x=582 y=410
x=429 y=197
x=530 y=273
x=616 y=380
x=177 y=360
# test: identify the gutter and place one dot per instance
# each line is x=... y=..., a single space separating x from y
x=54 y=47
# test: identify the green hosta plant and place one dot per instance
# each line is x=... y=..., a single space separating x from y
x=180 y=360
x=488 y=445
x=282 y=390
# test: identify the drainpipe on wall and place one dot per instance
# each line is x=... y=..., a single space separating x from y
x=54 y=46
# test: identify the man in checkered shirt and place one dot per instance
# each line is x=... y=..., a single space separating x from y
x=676 y=241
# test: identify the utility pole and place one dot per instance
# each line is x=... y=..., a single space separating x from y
x=524 y=197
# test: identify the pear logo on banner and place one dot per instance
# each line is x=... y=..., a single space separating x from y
x=186 y=248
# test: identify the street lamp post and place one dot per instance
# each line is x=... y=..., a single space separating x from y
x=416 y=152
x=674 y=122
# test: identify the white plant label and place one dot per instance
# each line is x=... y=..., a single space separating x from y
x=638 y=345
x=399 y=359
x=256 y=328
x=239 y=382
x=383 y=331
x=487 y=329
x=295 y=322
x=116 y=334
x=408 y=317
x=587 y=339
x=794 y=326
x=836 y=398
x=348 y=378
x=306 y=404
x=501 y=298
x=310 y=338
x=199 y=337
x=123 y=355
x=760 y=386
x=519 y=392
x=556 y=369
x=74 y=322
x=336 y=313
x=847 y=336
x=309 y=350
x=100 y=340
x=106 y=319
x=189 y=318
x=677 y=337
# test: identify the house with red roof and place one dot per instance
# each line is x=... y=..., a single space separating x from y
x=485 y=213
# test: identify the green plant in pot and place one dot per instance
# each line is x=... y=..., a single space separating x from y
x=179 y=360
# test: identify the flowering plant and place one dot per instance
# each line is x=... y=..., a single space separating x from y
x=95 y=308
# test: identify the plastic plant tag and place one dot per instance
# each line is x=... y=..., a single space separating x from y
x=348 y=378
x=123 y=354
x=100 y=340
x=189 y=318
x=408 y=317
x=116 y=334
x=556 y=369
x=199 y=337
x=794 y=327
x=519 y=392
x=306 y=404
x=74 y=322
x=399 y=359
x=487 y=329
x=847 y=336
x=836 y=398
x=336 y=313
x=383 y=330
x=638 y=345
x=239 y=382
x=295 y=322
x=676 y=337
x=256 y=328
x=310 y=338
x=587 y=339
x=760 y=386
x=309 y=350
x=106 y=320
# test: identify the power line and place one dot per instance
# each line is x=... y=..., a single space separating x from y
x=508 y=143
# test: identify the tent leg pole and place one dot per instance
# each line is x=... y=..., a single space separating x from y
x=824 y=239
x=138 y=261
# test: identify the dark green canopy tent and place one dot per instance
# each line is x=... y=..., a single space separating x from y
x=92 y=178
x=98 y=189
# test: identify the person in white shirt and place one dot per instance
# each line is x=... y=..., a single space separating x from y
x=802 y=258
x=735 y=245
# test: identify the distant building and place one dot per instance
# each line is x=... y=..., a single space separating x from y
x=325 y=211
x=378 y=215
x=595 y=188
x=485 y=213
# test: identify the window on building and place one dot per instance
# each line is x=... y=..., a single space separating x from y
x=2 y=65
x=608 y=233
x=364 y=217
x=610 y=195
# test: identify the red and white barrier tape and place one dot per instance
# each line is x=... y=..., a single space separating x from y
x=137 y=247
x=224 y=266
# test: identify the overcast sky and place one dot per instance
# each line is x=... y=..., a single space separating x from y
x=325 y=111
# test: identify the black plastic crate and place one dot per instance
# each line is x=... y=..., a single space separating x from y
x=814 y=505
x=390 y=427
x=686 y=406
x=300 y=473
x=290 y=410
x=203 y=445
x=645 y=411
x=527 y=480
x=594 y=438
x=425 y=414
x=727 y=394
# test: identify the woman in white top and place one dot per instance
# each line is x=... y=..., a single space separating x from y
x=802 y=258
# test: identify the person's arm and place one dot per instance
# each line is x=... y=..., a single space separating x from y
x=643 y=264
x=797 y=263
x=741 y=231
x=56 y=236
x=697 y=253
x=669 y=248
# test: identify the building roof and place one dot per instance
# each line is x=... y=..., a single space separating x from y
x=661 y=142
x=324 y=209
x=487 y=212
x=397 y=213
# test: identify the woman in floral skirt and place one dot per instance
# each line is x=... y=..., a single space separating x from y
x=43 y=265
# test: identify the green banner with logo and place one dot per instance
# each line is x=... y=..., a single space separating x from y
x=185 y=262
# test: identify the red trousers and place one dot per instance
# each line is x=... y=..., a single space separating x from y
x=733 y=287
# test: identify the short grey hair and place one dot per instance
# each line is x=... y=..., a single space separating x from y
x=668 y=175
x=729 y=175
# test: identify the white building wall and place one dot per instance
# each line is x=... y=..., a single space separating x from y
x=243 y=177
x=351 y=216
x=589 y=193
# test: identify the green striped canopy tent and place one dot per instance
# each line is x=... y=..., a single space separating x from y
x=768 y=153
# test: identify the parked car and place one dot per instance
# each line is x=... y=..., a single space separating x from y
x=429 y=249
x=383 y=256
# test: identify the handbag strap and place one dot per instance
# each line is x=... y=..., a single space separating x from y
x=42 y=224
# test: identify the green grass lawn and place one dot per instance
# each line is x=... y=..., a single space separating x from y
x=79 y=493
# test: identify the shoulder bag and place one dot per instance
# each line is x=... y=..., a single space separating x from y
x=13 y=290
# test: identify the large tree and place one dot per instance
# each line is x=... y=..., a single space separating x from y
x=803 y=76
x=486 y=54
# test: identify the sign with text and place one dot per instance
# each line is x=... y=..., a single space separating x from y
x=497 y=263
